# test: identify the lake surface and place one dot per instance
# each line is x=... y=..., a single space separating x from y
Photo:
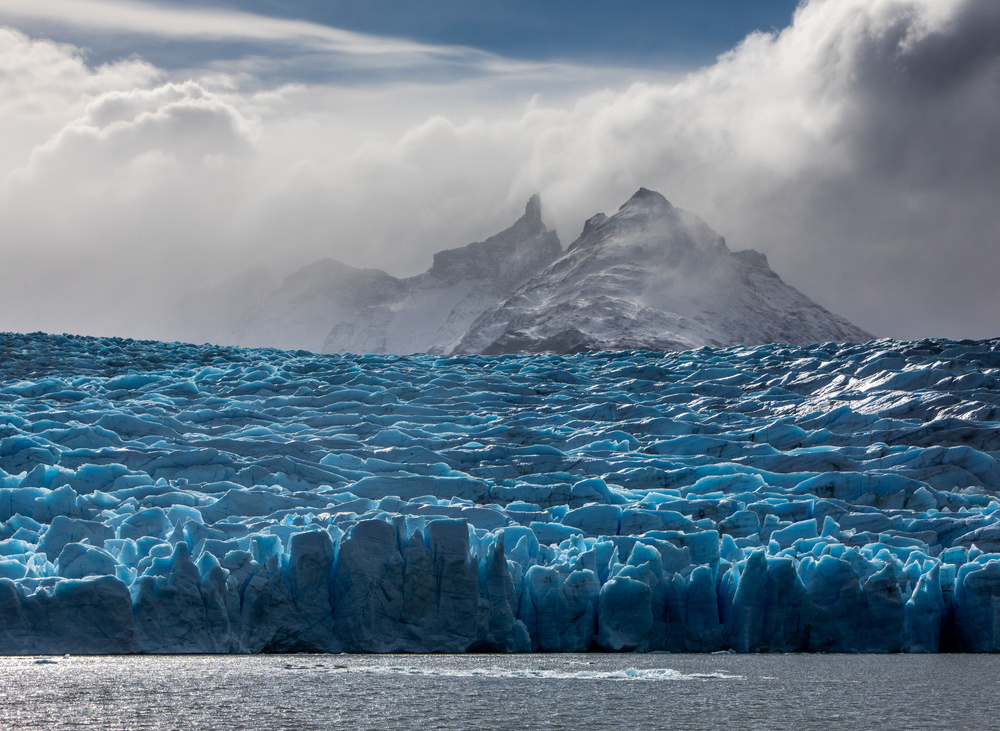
x=500 y=692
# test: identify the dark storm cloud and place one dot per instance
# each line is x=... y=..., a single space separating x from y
x=908 y=209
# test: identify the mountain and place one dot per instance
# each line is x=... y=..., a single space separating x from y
x=431 y=312
x=652 y=277
x=329 y=306
x=298 y=314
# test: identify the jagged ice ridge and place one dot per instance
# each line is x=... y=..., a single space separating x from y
x=161 y=497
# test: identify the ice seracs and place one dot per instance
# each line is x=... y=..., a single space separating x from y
x=163 y=497
x=652 y=277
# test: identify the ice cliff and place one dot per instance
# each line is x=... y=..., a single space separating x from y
x=161 y=497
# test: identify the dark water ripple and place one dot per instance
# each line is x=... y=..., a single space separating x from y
x=300 y=692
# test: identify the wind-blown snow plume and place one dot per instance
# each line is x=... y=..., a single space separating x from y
x=855 y=148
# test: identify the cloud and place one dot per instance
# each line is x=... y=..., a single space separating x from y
x=266 y=48
x=175 y=22
x=856 y=148
x=122 y=202
x=45 y=85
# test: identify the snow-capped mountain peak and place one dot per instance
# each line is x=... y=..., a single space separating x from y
x=646 y=200
x=503 y=260
x=434 y=310
x=657 y=277
x=650 y=276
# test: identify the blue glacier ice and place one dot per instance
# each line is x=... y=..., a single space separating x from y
x=165 y=498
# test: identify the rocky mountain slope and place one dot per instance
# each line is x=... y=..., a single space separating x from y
x=431 y=312
x=333 y=307
x=652 y=277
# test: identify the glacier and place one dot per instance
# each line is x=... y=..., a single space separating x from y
x=173 y=498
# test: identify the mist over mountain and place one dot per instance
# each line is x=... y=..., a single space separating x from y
x=329 y=306
x=432 y=312
x=652 y=276
x=150 y=158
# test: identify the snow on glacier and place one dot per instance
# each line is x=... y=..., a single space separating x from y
x=161 y=497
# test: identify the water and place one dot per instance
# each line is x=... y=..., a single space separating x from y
x=500 y=692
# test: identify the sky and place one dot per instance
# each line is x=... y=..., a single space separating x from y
x=151 y=152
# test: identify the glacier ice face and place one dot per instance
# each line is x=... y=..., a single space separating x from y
x=161 y=497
